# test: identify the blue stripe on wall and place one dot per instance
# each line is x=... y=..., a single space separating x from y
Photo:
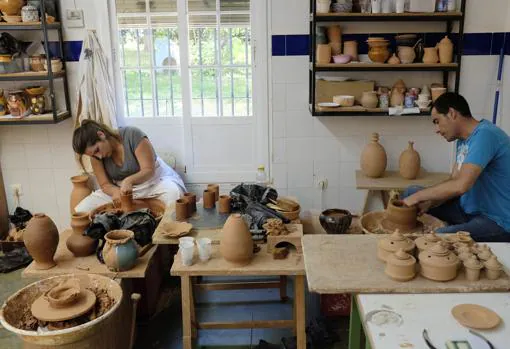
x=72 y=50
x=475 y=44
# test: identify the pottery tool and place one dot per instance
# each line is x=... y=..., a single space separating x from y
x=135 y=297
x=479 y=335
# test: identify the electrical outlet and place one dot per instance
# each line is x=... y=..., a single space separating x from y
x=322 y=183
x=16 y=190
x=74 y=18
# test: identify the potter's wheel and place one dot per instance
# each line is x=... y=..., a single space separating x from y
x=371 y=223
x=389 y=227
x=42 y=310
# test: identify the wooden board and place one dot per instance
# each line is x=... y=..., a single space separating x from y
x=68 y=264
x=33 y=117
x=382 y=15
x=386 y=66
x=262 y=264
x=349 y=264
x=393 y=181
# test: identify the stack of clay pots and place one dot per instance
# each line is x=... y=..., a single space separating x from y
x=438 y=263
x=392 y=243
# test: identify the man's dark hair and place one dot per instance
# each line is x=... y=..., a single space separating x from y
x=452 y=100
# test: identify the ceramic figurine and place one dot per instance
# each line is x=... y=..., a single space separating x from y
x=409 y=162
x=373 y=158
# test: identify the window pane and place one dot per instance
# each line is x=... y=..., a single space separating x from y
x=144 y=47
x=228 y=107
x=202 y=46
x=178 y=107
x=128 y=43
x=132 y=84
x=163 y=5
x=238 y=19
x=164 y=21
x=201 y=5
x=235 y=5
x=163 y=84
x=146 y=84
x=204 y=92
x=134 y=108
x=132 y=21
x=176 y=84
x=240 y=82
x=227 y=83
x=163 y=109
x=241 y=107
x=148 y=109
x=127 y=6
x=166 y=47
x=240 y=45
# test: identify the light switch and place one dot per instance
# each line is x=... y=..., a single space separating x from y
x=74 y=18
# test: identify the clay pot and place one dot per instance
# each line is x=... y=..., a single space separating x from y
x=334 y=33
x=426 y=241
x=335 y=221
x=399 y=86
x=400 y=266
x=216 y=189
x=79 y=244
x=181 y=209
x=401 y=216
x=493 y=268
x=191 y=200
x=323 y=54
x=397 y=98
x=485 y=255
x=438 y=263
x=224 y=204
x=11 y=7
x=409 y=162
x=120 y=250
x=209 y=199
x=473 y=267
x=236 y=245
x=394 y=59
x=392 y=243
x=445 y=48
x=373 y=158
x=41 y=240
x=351 y=49
x=464 y=256
x=126 y=202
x=430 y=56
x=336 y=48
x=369 y=99
x=406 y=54
x=378 y=53
x=436 y=92
x=80 y=190
x=63 y=294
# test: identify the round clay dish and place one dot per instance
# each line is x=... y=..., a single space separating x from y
x=42 y=310
x=475 y=316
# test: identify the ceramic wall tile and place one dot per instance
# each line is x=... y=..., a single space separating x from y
x=298 y=149
x=299 y=123
x=297 y=99
x=290 y=69
x=38 y=156
x=300 y=174
x=279 y=151
x=326 y=149
x=279 y=175
x=329 y=170
x=289 y=16
x=347 y=174
x=279 y=97
x=28 y=134
x=17 y=176
x=483 y=18
x=43 y=192
x=351 y=147
x=326 y=199
x=279 y=124
x=12 y=156
x=61 y=133
x=305 y=196
x=352 y=199
x=478 y=82
x=63 y=158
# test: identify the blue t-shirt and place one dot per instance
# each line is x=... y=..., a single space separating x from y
x=488 y=147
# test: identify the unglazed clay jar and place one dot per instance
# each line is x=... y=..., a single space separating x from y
x=493 y=268
x=216 y=189
x=323 y=54
x=209 y=198
x=79 y=244
x=369 y=99
x=400 y=216
x=373 y=158
x=400 y=266
x=80 y=190
x=473 y=267
x=181 y=209
x=392 y=243
x=41 y=240
x=445 y=48
x=427 y=241
x=438 y=263
x=409 y=162
x=351 y=49
x=224 y=204
x=236 y=245
x=406 y=54
x=430 y=56
x=394 y=59
x=191 y=201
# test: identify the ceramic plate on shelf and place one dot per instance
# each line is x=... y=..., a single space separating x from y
x=328 y=105
x=333 y=78
x=475 y=316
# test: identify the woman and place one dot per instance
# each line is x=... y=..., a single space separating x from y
x=124 y=161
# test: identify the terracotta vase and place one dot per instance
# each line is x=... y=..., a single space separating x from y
x=392 y=243
x=378 y=53
x=406 y=54
x=209 y=199
x=473 y=267
x=216 y=189
x=397 y=98
x=430 y=56
x=373 y=158
x=400 y=266
x=11 y=7
x=445 y=48
x=369 y=99
x=126 y=202
x=41 y=240
x=236 y=245
x=224 y=204
x=80 y=190
x=351 y=49
x=438 y=263
x=394 y=59
x=409 y=163
x=426 y=241
x=323 y=54
x=120 y=251
x=79 y=244
x=181 y=209
x=401 y=216
x=191 y=200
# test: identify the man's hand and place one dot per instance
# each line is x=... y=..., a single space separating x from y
x=411 y=200
x=424 y=207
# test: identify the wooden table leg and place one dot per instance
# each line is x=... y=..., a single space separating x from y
x=354 y=326
x=365 y=203
x=186 y=312
x=192 y=310
x=299 y=309
x=283 y=288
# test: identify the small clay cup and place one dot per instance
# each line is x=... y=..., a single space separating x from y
x=126 y=202
x=216 y=189
x=209 y=198
x=181 y=209
x=473 y=267
x=224 y=204
x=191 y=200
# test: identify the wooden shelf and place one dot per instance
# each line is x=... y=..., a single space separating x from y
x=28 y=26
x=386 y=67
x=30 y=75
x=34 y=119
x=359 y=110
x=381 y=17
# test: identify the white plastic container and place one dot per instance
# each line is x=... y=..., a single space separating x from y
x=204 y=249
x=187 y=249
x=422 y=6
x=261 y=177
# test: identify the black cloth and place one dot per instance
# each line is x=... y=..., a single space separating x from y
x=20 y=217
x=15 y=259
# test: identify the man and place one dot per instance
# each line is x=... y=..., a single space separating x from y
x=476 y=198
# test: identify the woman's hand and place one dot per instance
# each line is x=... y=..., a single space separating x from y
x=126 y=187
x=116 y=194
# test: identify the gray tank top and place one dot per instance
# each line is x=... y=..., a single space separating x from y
x=131 y=138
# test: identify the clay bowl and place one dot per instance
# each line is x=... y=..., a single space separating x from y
x=12 y=310
x=342 y=59
x=344 y=100
x=156 y=207
x=335 y=221
x=12 y=19
x=406 y=39
x=35 y=90
x=64 y=295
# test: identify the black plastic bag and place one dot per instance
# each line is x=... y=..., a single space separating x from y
x=20 y=218
x=142 y=223
x=243 y=194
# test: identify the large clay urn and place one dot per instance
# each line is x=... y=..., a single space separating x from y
x=80 y=190
x=11 y=7
x=79 y=244
x=236 y=244
x=409 y=163
x=120 y=251
x=445 y=48
x=373 y=158
x=41 y=240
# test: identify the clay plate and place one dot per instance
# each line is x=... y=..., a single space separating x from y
x=475 y=316
x=175 y=229
x=371 y=223
x=42 y=310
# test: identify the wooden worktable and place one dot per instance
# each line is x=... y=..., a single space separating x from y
x=68 y=264
x=349 y=264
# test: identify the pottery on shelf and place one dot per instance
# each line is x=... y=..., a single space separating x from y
x=36 y=63
x=400 y=266
x=216 y=189
x=436 y=92
x=181 y=209
x=335 y=221
x=41 y=240
x=400 y=216
x=224 y=204
x=79 y=244
x=373 y=158
x=120 y=251
x=378 y=51
x=344 y=100
x=445 y=47
x=493 y=268
x=392 y=243
x=369 y=99
x=56 y=65
x=399 y=86
x=397 y=98
x=394 y=59
x=80 y=190
x=438 y=263
x=17 y=103
x=209 y=198
x=427 y=241
x=351 y=49
x=191 y=201
x=473 y=267
x=342 y=59
x=29 y=14
x=11 y=7
x=323 y=54
x=406 y=54
x=236 y=245
x=334 y=33
x=409 y=162
x=430 y=56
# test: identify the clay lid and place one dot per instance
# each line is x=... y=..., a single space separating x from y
x=462 y=248
x=445 y=41
x=485 y=255
x=466 y=255
x=427 y=240
x=439 y=249
x=401 y=258
x=473 y=263
x=493 y=264
x=464 y=237
x=396 y=241
x=438 y=256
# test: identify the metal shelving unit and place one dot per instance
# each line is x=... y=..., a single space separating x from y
x=447 y=17
x=54 y=116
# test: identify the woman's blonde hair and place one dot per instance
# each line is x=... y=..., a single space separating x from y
x=86 y=136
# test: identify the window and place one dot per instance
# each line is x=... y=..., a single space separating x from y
x=216 y=65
